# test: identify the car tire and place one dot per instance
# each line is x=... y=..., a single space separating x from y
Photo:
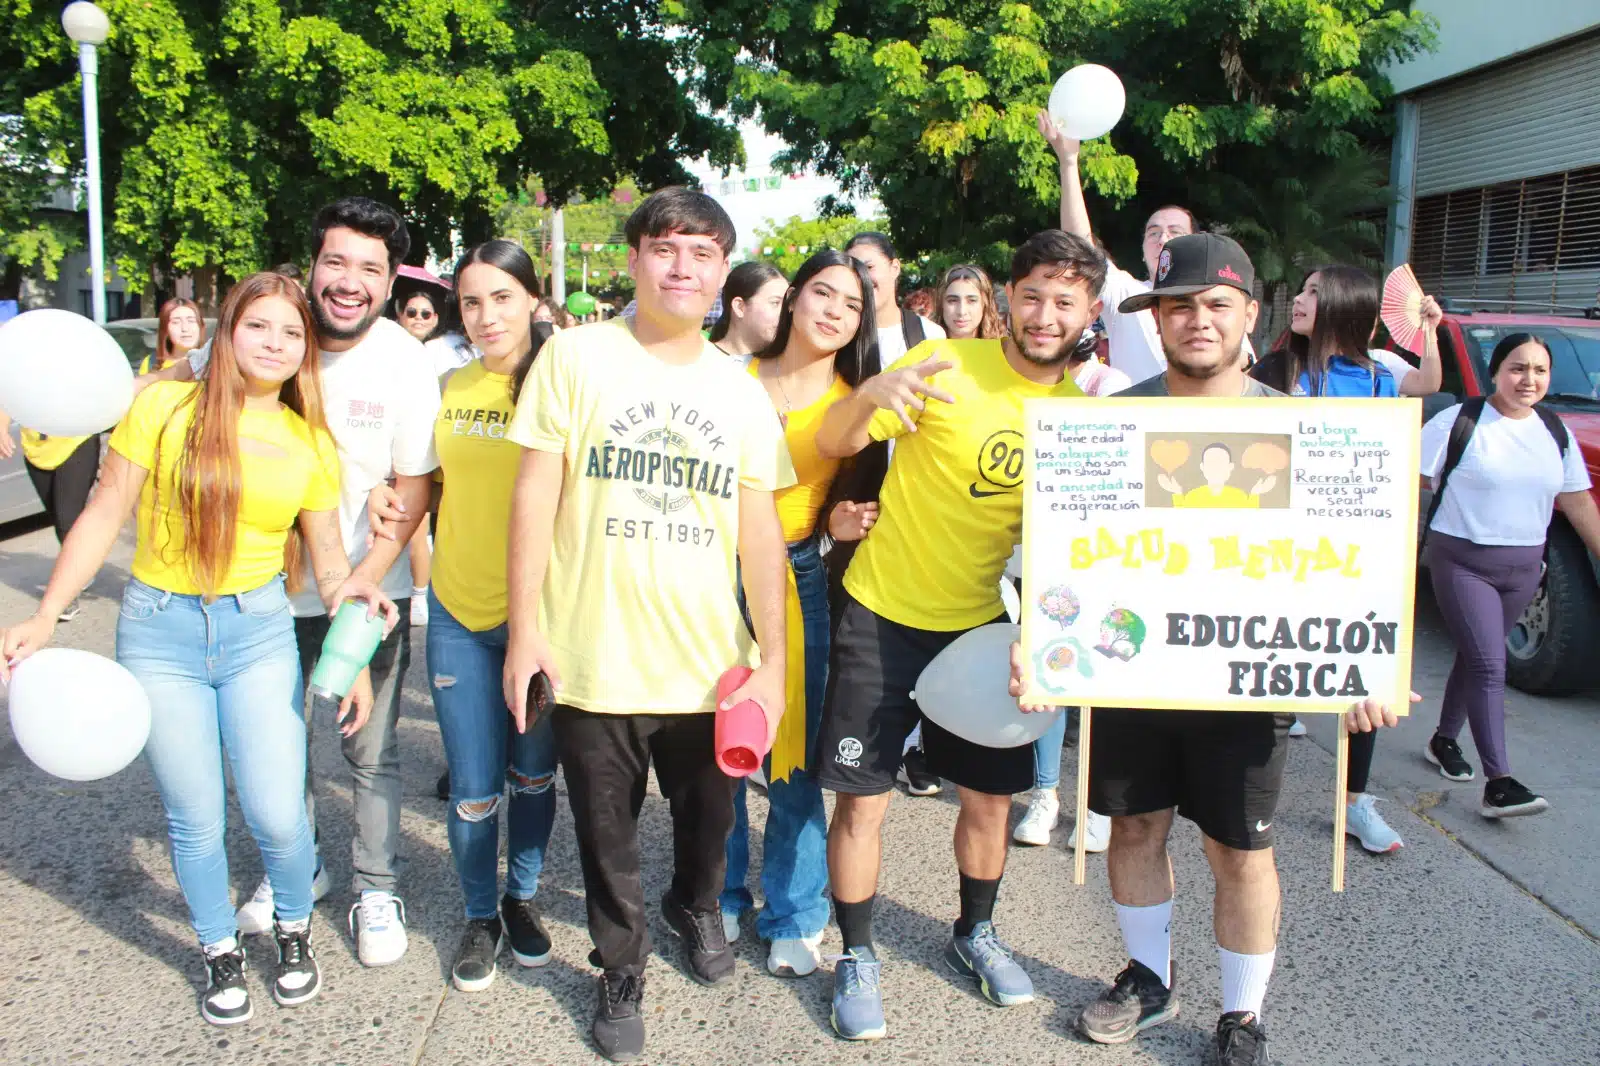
x=1549 y=651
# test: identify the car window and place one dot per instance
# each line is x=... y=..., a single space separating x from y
x=1574 y=354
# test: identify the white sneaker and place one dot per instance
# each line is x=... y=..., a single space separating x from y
x=1099 y=834
x=380 y=931
x=1362 y=821
x=255 y=917
x=1044 y=810
x=730 y=926
x=419 y=607
x=1297 y=728
x=797 y=957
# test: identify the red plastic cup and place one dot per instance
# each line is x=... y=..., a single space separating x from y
x=740 y=735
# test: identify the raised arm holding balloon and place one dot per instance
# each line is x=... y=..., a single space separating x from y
x=221 y=475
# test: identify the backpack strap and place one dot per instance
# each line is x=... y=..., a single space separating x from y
x=911 y=329
x=1557 y=428
x=1460 y=435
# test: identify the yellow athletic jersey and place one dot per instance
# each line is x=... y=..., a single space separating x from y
x=951 y=507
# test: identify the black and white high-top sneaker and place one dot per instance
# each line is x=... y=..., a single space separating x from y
x=298 y=979
x=226 y=1000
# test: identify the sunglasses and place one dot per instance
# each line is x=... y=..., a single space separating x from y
x=423 y=313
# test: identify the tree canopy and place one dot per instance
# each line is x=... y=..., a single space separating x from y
x=225 y=125
x=930 y=104
x=788 y=244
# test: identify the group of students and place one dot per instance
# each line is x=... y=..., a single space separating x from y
x=629 y=509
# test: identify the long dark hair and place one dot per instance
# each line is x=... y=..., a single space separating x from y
x=858 y=359
x=989 y=324
x=744 y=281
x=1347 y=313
x=512 y=258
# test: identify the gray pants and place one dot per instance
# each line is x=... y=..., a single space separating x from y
x=373 y=754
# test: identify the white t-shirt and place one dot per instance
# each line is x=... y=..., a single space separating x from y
x=381 y=399
x=892 y=342
x=450 y=351
x=1097 y=379
x=1396 y=365
x=1135 y=341
x=1502 y=491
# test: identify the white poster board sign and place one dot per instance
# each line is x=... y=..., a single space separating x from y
x=1243 y=555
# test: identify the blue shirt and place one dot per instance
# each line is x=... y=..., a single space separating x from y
x=1346 y=378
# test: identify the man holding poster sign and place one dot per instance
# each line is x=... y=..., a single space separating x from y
x=949 y=514
x=1196 y=614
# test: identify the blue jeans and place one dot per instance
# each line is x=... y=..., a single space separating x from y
x=224 y=679
x=485 y=753
x=794 y=869
x=1047 y=754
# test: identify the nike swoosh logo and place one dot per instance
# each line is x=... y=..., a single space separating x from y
x=1262 y=827
x=978 y=494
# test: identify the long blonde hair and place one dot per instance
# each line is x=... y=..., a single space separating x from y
x=207 y=473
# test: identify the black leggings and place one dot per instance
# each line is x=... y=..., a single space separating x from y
x=1362 y=745
x=65 y=490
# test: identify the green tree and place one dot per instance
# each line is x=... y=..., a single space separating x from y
x=225 y=126
x=593 y=233
x=793 y=241
x=930 y=105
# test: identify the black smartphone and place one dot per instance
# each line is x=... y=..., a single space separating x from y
x=541 y=697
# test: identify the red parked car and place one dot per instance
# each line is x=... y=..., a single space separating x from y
x=1552 y=648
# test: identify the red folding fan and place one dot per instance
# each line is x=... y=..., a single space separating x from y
x=1401 y=310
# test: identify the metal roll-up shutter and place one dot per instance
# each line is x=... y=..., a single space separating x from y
x=1532 y=116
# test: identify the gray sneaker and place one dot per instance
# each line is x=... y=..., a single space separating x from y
x=985 y=958
x=1135 y=1002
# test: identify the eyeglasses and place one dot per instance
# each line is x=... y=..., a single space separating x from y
x=423 y=313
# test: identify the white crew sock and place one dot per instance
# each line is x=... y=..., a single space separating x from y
x=1244 y=980
x=419 y=590
x=1147 y=933
x=914 y=740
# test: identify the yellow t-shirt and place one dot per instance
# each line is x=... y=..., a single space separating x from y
x=801 y=503
x=951 y=507
x=47 y=452
x=638 y=602
x=1225 y=497
x=284 y=468
x=480 y=467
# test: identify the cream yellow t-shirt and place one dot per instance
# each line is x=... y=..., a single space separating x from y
x=951 y=507
x=638 y=602
x=480 y=467
x=284 y=468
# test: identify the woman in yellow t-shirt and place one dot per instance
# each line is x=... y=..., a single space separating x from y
x=824 y=348
x=222 y=473
x=496 y=288
x=62 y=470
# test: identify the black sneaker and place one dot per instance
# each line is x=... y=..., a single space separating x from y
x=1446 y=755
x=1505 y=797
x=298 y=979
x=1241 y=1041
x=619 y=1019
x=530 y=944
x=473 y=970
x=1135 y=1001
x=915 y=776
x=710 y=958
x=226 y=1000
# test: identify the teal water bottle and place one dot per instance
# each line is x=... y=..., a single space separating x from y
x=350 y=644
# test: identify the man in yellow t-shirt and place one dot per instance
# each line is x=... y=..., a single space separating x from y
x=650 y=468
x=949 y=514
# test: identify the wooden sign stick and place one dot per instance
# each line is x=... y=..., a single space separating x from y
x=1080 y=852
x=1341 y=764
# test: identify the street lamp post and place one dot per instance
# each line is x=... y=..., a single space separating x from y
x=88 y=26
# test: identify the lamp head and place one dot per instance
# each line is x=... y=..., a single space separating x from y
x=85 y=23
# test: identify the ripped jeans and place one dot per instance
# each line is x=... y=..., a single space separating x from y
x=485 y=754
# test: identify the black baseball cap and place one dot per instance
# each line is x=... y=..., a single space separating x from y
x=1194 y=263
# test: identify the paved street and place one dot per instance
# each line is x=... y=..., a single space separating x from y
x=1476 y=945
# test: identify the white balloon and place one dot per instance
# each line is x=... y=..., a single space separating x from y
x=62 y=375
x=78 y=715
x=966 y=689
x=1087 y=101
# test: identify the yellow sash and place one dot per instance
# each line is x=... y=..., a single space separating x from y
x=789 y=749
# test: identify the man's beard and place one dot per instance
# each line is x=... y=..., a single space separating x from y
x=1209 y=371
x=1056 y=358
x=327 y=327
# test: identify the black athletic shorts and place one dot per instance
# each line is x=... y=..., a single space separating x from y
x=869 y=713
x=1222 y=770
